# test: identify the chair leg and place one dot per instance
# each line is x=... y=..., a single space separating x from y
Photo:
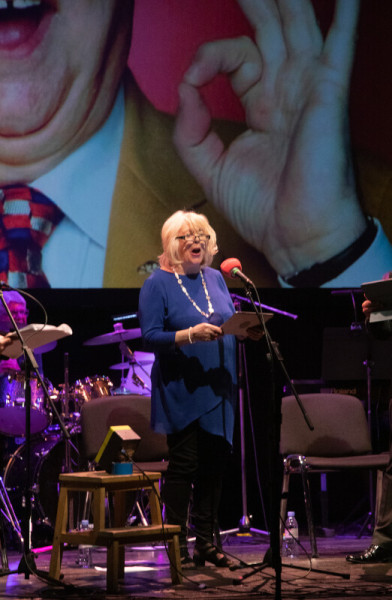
x=380 y=477
x=308 y=508
x=283 y=501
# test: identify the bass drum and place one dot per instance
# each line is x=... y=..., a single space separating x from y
x=47 y=461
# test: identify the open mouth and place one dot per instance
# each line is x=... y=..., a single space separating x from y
x=196 y=251
x=21 y=19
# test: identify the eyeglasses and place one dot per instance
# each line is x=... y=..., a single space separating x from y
x=191 y=237
x=20 y=313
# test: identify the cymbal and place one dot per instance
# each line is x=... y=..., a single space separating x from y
x=141 y=358
x=45 y=348
x=112 y=337
x=120 y=366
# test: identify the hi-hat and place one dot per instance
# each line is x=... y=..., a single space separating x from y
x=112 y=337
x=120 y=366
x=141 y=358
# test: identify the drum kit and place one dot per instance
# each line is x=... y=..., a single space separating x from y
x=48 y=452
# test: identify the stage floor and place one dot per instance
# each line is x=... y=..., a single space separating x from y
x=147 y=575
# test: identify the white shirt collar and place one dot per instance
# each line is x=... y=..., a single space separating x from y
x=82 y=184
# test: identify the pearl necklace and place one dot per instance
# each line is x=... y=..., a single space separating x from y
x=210 y=308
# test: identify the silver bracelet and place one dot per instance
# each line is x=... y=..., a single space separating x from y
x=189 y=335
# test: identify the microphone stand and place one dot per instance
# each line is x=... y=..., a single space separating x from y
x=272 y=557
x=244 y=525
x=27 y=563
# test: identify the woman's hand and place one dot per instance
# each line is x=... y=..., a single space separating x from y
x=368 y=307
x=204 y=332
x=255 y=333
x=4 y=342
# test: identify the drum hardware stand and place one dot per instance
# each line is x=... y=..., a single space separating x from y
x=7 y=514
x=272 y=557
x=123 y=388
x=127 y=352
x=27 y=563
x=67 y=446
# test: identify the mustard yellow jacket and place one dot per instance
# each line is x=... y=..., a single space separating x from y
x=152 y=183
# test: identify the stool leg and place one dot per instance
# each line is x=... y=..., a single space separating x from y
x=175 y=559
x=98 y=508
x=60 y=527
x=112 y=567
x=155 y=505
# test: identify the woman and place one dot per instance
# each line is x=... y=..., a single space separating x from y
x=182 y=306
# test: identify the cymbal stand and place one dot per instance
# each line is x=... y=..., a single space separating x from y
x=7 y=514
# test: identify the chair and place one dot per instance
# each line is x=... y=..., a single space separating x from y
x=133 y=410
x=340 y=441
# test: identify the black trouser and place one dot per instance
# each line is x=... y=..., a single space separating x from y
x=196 y=464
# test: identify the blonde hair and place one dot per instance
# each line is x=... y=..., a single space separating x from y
x=196 y=222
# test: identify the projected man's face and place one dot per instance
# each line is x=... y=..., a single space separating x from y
x=61 y=62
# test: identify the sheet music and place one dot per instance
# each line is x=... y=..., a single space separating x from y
x=35 y=335
x=241 y=321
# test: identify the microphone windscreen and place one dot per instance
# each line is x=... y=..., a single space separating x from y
x=228 y=265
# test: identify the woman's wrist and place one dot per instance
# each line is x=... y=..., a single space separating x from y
x=190 y=339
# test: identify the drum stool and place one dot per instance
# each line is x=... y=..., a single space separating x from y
x=99 y=484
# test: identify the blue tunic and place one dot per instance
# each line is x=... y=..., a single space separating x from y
x=194 y=381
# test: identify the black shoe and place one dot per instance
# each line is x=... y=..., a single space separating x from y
x=373 y=554
x=187 y=563
x=211 y=554
x=185 y=558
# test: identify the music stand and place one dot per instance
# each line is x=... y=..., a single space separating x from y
x=354 y=355
x=272 y=557
x=27 y=563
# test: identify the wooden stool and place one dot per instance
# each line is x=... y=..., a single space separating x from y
x=115 y=539
x=100 y=483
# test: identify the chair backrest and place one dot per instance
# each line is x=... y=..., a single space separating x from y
x=133 y=410
x=340 y=426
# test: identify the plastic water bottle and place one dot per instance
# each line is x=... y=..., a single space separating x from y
x=85 y=558
x=290 y=536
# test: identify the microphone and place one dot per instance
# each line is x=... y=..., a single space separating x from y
x=231 y=267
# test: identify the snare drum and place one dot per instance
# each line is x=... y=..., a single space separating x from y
x=12 y=405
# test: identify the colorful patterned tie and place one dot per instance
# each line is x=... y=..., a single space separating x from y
x=27 y=219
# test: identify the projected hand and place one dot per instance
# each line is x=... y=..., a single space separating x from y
x=286 y=184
